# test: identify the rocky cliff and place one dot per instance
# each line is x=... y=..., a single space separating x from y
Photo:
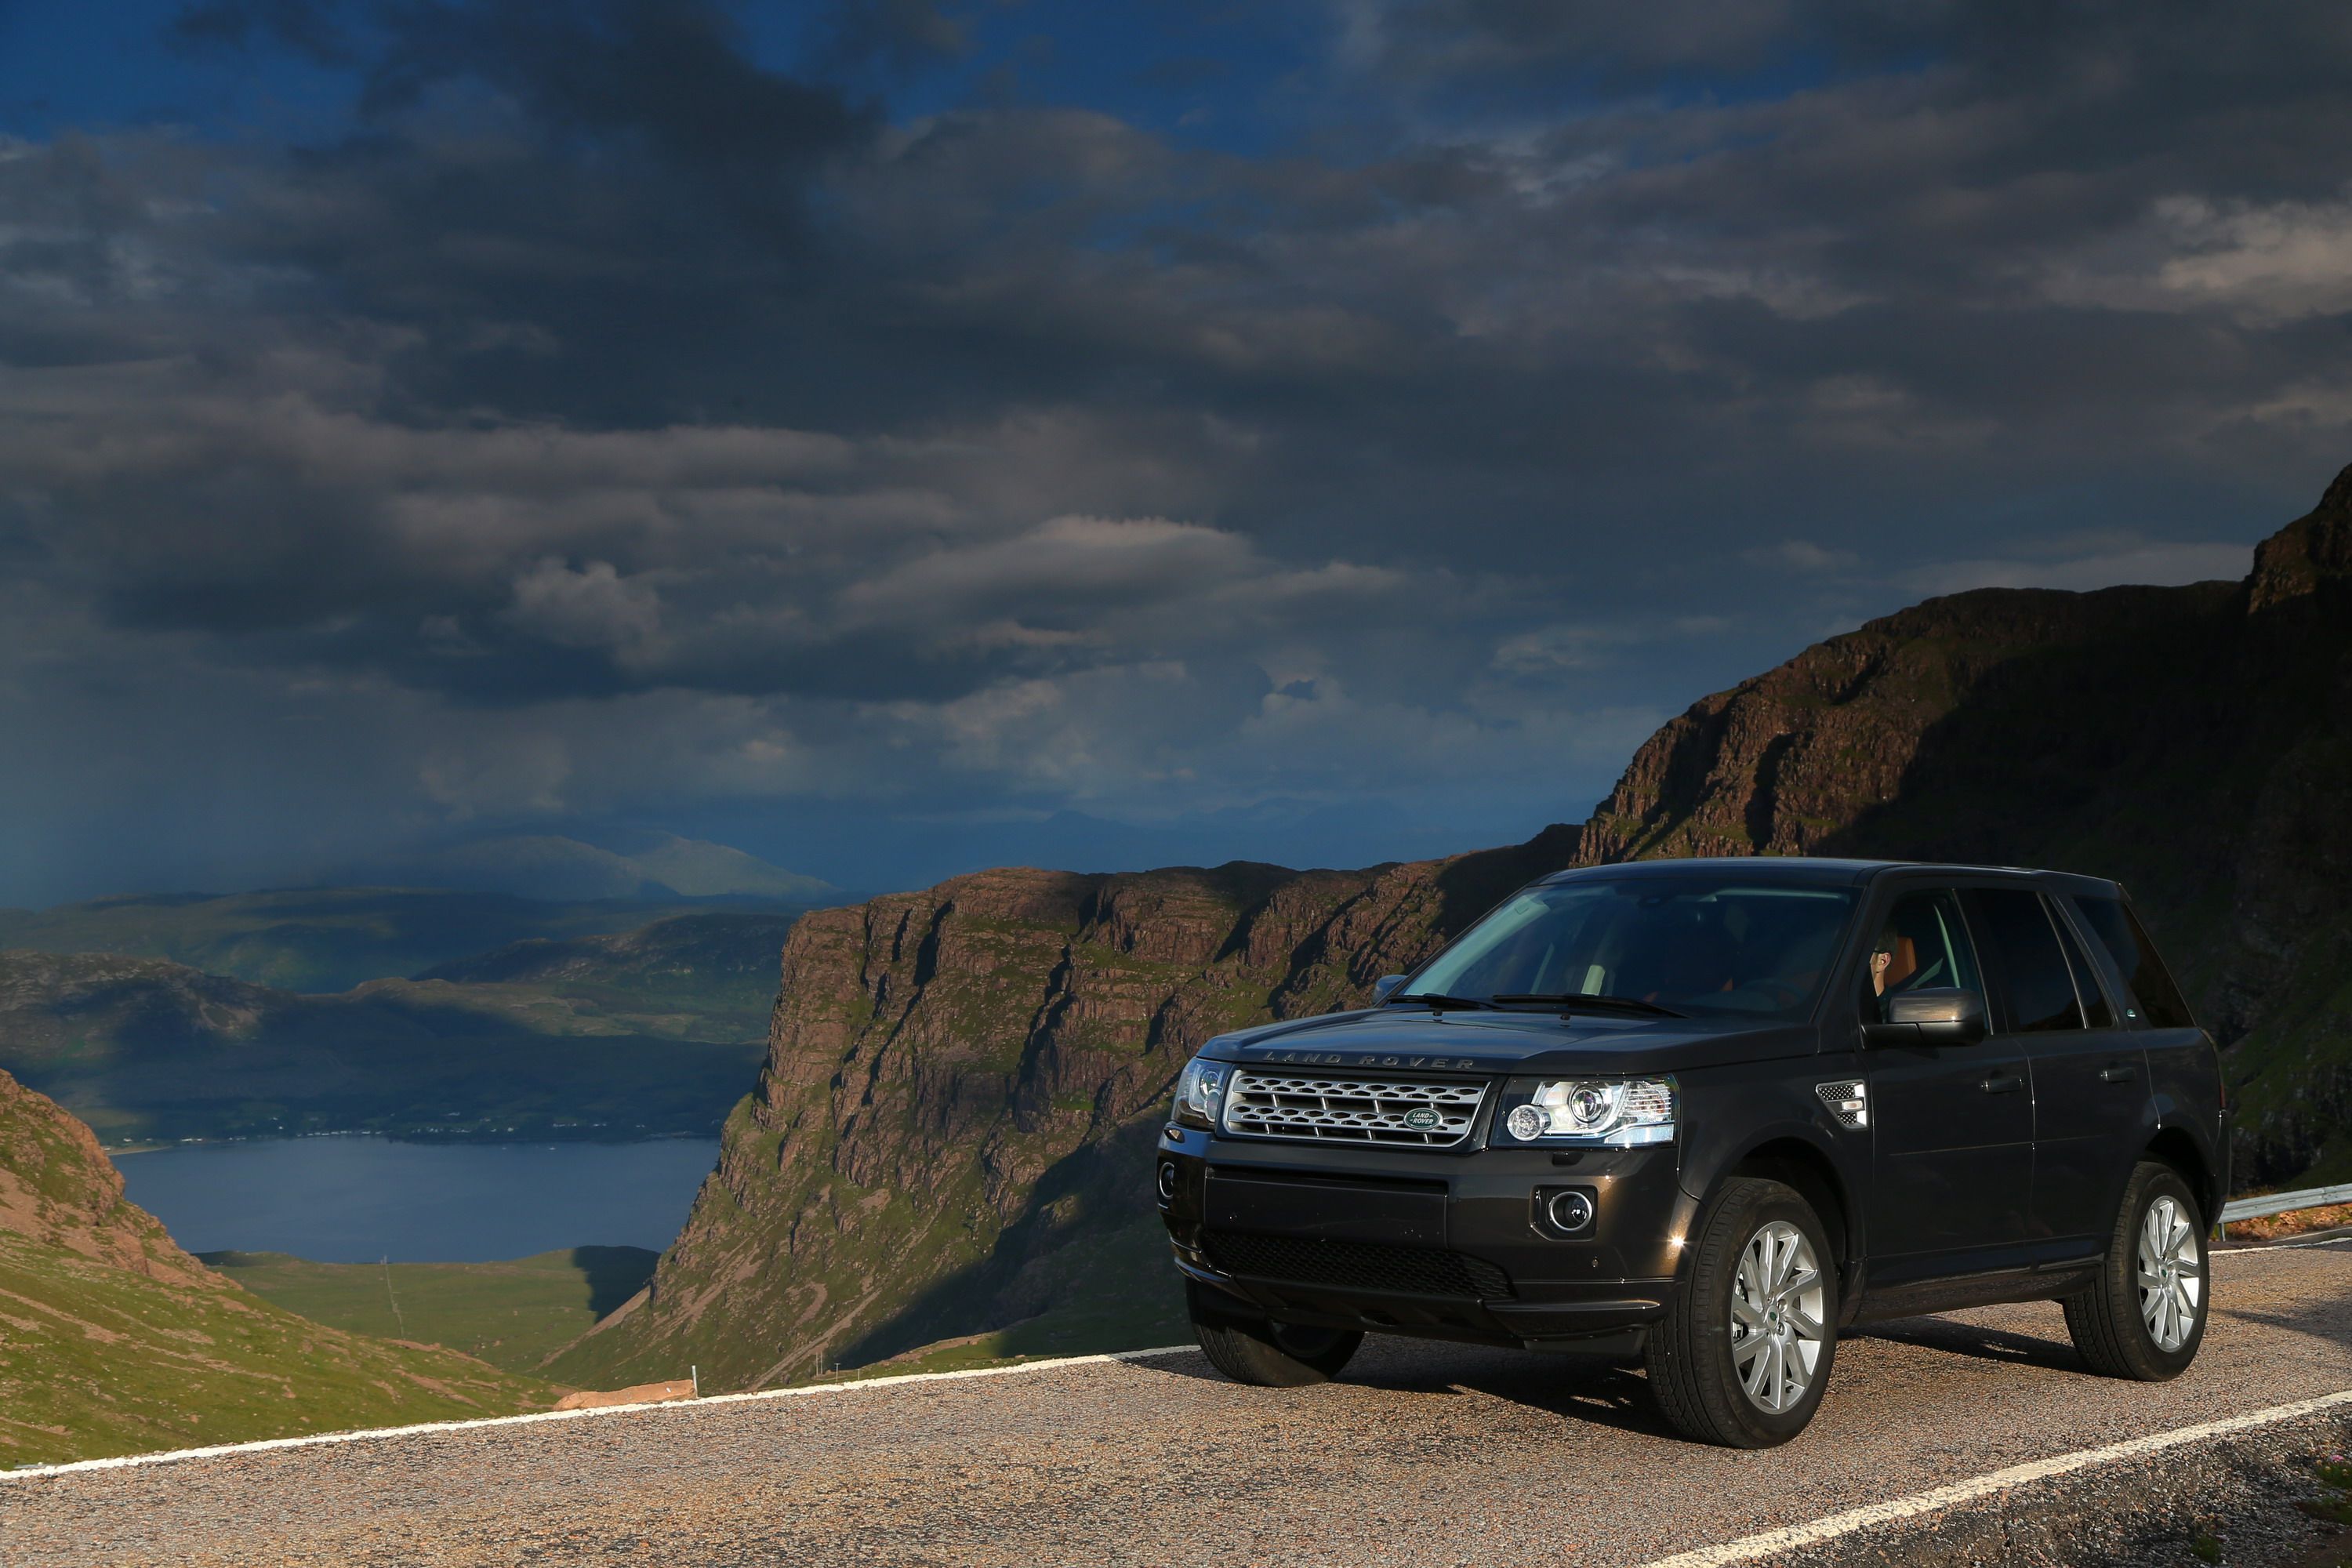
x=112 y=1339
x=952 y=1128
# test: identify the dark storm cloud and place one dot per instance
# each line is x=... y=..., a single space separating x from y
x=607 y=373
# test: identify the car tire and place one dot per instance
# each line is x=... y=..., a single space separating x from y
x=1745 y=1351
x=2144 y=1317
x=1263 y=1353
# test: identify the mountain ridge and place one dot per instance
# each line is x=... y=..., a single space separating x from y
x=324 y=941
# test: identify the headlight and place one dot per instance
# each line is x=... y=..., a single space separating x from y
x=1200 y=1092
x=1618 y=1113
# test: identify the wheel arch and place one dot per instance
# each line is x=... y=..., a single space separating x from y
x=1800 y=1162
x=2175 y=1147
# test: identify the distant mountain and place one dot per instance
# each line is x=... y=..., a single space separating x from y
x=653 y=1031
x=953 y=1131
x=720 y=960
x=117 y=1341
x=319 y=939
x=651 y=866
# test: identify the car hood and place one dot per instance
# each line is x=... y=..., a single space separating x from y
x=1417 y=1039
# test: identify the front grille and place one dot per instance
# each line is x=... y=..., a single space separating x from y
x=1356 y=1266
x=1417 y=1114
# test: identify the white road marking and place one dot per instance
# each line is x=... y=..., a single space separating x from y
x=174 y=1456
x=2279 y=1247
x=1830 y=1526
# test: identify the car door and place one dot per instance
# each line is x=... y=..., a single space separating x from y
x=2091 y=1109
x=1952 y=1123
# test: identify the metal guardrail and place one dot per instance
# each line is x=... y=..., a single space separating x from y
x=2285 y=1202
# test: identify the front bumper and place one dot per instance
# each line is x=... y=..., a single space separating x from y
x=1442 y=1244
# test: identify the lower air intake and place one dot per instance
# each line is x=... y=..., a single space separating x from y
x=1357 y=1266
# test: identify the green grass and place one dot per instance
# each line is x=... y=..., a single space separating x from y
x=98 y=1360
x=511 y=1314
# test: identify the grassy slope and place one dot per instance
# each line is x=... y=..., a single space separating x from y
x=511 y=1314
x=98 y=1360
x=113 y=1341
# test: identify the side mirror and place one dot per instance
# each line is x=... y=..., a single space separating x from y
x=1383 y=986
x=1935 y=1015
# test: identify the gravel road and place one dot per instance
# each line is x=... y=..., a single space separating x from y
x=1426 y=1453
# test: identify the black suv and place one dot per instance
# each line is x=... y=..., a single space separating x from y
x=1702 y=1114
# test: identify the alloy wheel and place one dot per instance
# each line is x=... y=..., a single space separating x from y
x=2171 y=1276
x=1778 y=1301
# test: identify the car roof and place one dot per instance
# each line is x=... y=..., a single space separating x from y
x=1822 y=870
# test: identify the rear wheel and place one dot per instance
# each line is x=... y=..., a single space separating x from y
x=1265 y=1353
x=2145 y=1316
x=1745 y=1351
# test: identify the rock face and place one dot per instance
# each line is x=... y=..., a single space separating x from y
x=962 y=1083
x=952 y=1129
x=59 y=1191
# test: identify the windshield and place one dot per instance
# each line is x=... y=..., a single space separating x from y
x=1698 y=945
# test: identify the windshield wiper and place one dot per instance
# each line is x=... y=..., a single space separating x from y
x=1440 y=1003
x=1571 y=1002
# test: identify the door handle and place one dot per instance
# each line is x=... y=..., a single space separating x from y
x=2119 y=1072
x=2002 y=1083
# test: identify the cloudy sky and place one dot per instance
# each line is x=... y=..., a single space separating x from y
x=898 y=437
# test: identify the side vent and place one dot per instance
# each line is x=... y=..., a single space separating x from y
x=1849 y=1102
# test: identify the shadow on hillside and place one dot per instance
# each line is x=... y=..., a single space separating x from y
x=2064 y=751
x=613 y=1273
x=1475 y=883
x=1056 y=1254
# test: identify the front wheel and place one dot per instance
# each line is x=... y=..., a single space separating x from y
x=2145 y=1316
x=1745 y=1351
x=1263 y=1353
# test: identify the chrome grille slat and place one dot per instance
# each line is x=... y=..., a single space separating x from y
x=1353 y=1108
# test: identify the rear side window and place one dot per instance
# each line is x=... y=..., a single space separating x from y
x=2150 y=984
x=2016 y=929
x=2095 y=1011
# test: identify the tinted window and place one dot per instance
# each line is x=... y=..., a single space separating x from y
x=1699 y=944
x=2013 y=924
x=2094 y=998
x=2150 y=983
x=1922 y=944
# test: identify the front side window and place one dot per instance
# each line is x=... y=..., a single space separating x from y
x=1922 y=944
x=1705 y=943
x=2018 y=931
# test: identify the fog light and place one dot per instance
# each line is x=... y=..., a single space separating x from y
x=1166 y=1180
x=1570 y=1210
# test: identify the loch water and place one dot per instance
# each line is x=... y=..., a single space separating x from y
x=354 y=1199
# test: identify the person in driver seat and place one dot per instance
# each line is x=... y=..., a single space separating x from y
x=1894 y=960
